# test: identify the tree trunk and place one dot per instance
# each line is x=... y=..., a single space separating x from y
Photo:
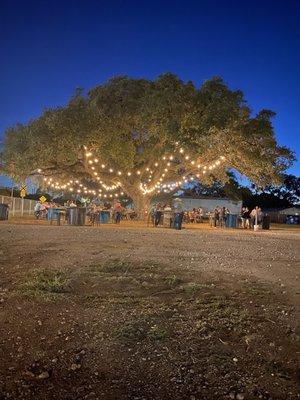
x=141 y=204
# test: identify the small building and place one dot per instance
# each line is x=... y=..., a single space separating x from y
x=207 y=204
x=291 y=211
x=210 y=203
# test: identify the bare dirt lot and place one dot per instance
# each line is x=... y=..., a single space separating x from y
x=135 y=313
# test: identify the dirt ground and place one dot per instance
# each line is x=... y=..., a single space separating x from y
x=142 y=313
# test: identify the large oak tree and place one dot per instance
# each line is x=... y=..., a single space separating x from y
x=143 y=136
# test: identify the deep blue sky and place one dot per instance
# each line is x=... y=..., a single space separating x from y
x=48 y=48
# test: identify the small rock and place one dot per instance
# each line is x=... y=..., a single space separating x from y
x=240 y=396
x=232 y=395
x=235 y=359
x=44 y=375
x=75 y=367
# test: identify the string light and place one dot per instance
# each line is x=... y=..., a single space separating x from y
x=144 y=188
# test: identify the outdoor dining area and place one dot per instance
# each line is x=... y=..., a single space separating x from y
x=175 y=215
x=72 y=214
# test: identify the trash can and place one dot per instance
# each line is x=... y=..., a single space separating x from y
x=231 y=221
x=177 y=221
x=3 y=212
x=76 y=216
x=265 y=222
x=104 y=217
x=81 y=213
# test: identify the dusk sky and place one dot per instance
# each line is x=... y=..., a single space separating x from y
x=48 y=48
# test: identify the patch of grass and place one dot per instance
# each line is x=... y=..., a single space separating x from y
x=141 y=330
x=114 y=266
x=46 y=283
x=191 y=288
x=132 y=332
x=217 y=312
x=173 y=280
x=157 y=333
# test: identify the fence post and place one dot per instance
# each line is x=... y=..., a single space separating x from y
x=13 y=206
x=22 y=206
x=29 y=207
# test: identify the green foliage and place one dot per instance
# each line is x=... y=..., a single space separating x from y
x=46 y=283
x=191 y=288
x=114 y=266
x=131 y=123
x=173 y=280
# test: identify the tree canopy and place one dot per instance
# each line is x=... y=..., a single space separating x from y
x=139 y=136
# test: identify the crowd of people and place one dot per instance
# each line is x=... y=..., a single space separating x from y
x=159 y=214
x=115 y=212
x=218 y=217
x=165 y=215
x=251 y=218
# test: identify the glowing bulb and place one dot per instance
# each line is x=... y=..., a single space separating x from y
x=128 y=173
x=119 y=173
x=102 y=166
x=111 y=170
x=138 y=172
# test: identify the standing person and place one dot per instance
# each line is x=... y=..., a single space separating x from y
x=256 y=216
x=178 y=214
x=200 y=214
x=216 y=215
x=158 y=214
x=151 y=215
x=245 y=218
x=222 y=217
x=118 y=209
x=38 y=209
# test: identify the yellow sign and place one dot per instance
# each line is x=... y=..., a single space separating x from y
x=23 y=191
x=42 y=199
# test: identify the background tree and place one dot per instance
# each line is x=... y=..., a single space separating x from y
x=142 y=136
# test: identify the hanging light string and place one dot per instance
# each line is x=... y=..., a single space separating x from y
x=161 y=176
x=166 y=163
